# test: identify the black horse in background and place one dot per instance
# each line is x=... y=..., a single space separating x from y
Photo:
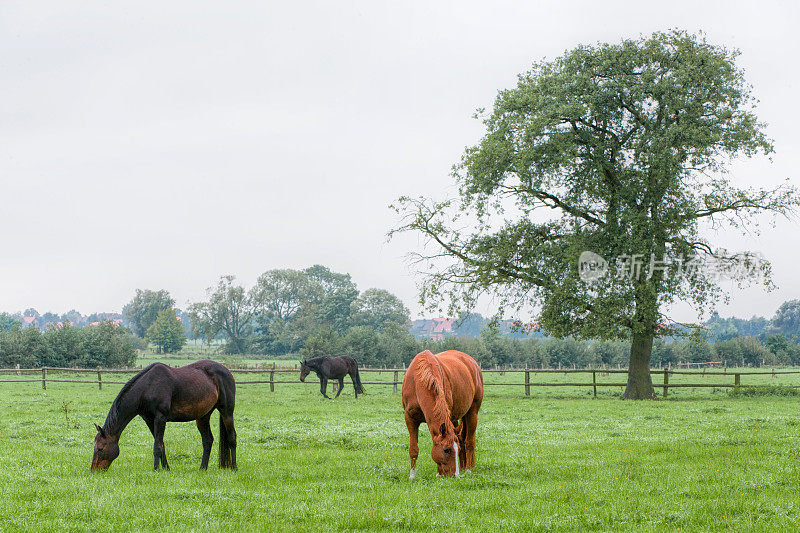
x=332 y=368
x=161 y=394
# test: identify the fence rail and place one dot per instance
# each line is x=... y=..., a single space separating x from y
x=272 y=376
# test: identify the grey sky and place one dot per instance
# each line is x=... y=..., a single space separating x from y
x=160 y=145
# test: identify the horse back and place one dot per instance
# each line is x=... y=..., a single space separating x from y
x=198 y=388
x=465 y=379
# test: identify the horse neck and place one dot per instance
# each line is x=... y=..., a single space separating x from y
x=318 y=366
x=436 y=410
x=122 y=411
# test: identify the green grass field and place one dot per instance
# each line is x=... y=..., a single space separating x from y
x=701 y=461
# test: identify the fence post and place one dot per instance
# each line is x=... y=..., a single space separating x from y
x=736 y=381
x=272 y=378
x=99 y=379
x=395 y=381
x=594 y=382
x=44 y=378
x=666 y=381
x=527 y=383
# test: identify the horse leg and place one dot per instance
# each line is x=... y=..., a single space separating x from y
x=204 y=427
x=323 y=387
x=461 y=431
x=226 y=427
x=149 y=421
x=355 y=381
x=470 y=425
x=341 y=386
x=413 y=447
x=159 y=453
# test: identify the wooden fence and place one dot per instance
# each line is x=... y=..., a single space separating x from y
x=276 y=376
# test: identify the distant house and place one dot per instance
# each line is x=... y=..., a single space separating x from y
x=116 y=322
x=433 y=328
x=442 y=328
x=29 y=321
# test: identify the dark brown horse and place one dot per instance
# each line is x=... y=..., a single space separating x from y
x=332 y=368
x=161 y=394
x=445 y=391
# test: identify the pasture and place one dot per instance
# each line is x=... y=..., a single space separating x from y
x=700 y=460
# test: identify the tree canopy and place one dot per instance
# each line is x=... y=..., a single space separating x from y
x=287 y=308
x=620 y=150
x=143 y=310
x=167 y=332
x=228 y=310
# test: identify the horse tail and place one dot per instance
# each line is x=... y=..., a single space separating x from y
x=358 y=385
x=224 y=445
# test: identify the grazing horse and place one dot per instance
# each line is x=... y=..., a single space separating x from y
x=161 y=394
x=332 y=368
x=444 y=391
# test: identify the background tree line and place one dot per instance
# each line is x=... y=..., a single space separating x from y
x=316 y=311
x=104 y=345
x=291 y=311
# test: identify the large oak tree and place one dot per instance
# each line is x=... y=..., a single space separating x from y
x=618 y=149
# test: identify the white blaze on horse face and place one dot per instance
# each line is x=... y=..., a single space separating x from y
x=413 y=473
x=455 y=450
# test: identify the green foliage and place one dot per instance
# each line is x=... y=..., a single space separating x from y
x=143 y=310
x=624 y=147
x=288 y=311
x=227 y=312
x=25 y=347
x=378 y=308
x=767 y=390
x=728 y=328
x=291 y=305
x=324 y=341
x=167 y=332
x=8 y=322
x=66 y=346
x=787 y=319
x=104 y=345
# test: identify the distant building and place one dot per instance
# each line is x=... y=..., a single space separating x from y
x=433 y=328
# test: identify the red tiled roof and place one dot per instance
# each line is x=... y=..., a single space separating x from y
x=443 y=325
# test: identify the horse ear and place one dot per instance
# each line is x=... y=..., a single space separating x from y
x=100 y=430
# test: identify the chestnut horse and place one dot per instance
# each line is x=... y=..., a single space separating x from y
x=444 y=391
x=161 y=394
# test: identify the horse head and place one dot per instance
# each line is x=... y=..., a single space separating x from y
x=445 y=451
x=106 y=449
x=304 y=370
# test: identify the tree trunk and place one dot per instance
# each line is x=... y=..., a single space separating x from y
x=640 y=385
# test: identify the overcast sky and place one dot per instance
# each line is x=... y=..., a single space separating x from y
x=163 y=144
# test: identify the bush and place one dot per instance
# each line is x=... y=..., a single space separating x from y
x=767 y=390
x=324 y=341
x=104 y=345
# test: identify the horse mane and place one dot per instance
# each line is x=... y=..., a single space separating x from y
x=113 y=414
x=429 y=378
x=314 y=361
